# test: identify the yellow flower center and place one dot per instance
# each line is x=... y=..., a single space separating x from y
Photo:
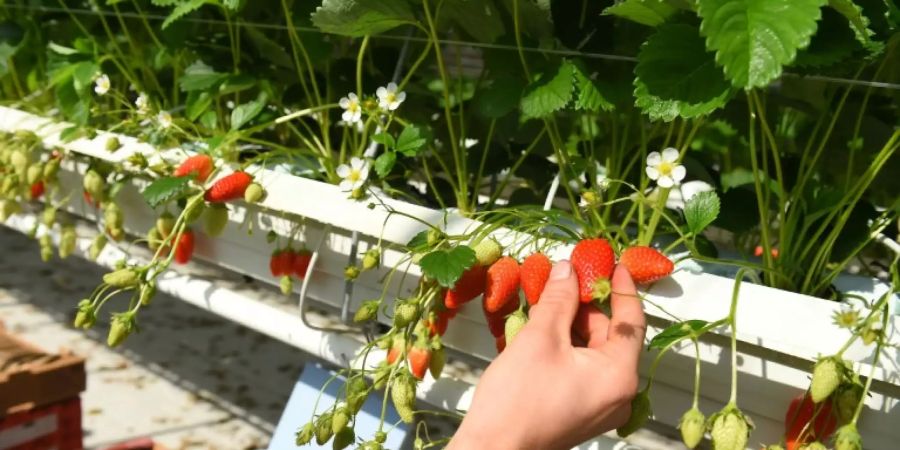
x=665 y=168
x=354 y=176
x=391 y=97
x=353 y=107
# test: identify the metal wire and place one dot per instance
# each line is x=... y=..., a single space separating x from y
x=451 y=42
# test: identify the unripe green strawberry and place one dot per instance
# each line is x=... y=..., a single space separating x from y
x=357 y=392
x=774 y=447
x=692 y=426
x=34 y=173
x=323 y=429
x=121 y=327
x=514 y=324
x=305 y=434
x=339 y=419
x=46 y=244
x=382 y=374
x=8 y=208
x=86 y=315
x=19 y=162
x=165 y=223
x=94 y=184
x=51 y=168
x=438 y=358
x=193 y=214
x=403 y=394
x=67 y=241
x=343 y=439
x=371 y=445
x=122 y=278
x=10 y=183
x=112 y=216
x=380 y=437
x=254 y=193
x=371 y=259
x=814 y=446
x=846 y=400
x=434 y=236
x=214 y=219
x=351 y=272
x=154 y=240
x=286 y=285
x=847 y=438
x=827 y=376
x=97 y=246
x=488 y=251
x=405 y=312
x=640 y=412
x=113 y=144
x=729 y=430
x=367 y=311
x=148 y=291
x=48 y=217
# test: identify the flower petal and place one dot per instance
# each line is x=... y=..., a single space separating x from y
x=392 y=87
x=652 y=173
x=352 y=96
x=381 y=92
x=346 y=185
x=653 y=159
x=344 y=102
x=343 y=171
x=665 y=181
x=401 y=96
x=679 y=172
x=670 y=155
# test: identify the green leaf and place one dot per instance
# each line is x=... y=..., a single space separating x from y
x=677 y=77
x=247 y=111
x=236 y=83
x=384 y=163
x=550 y=93
x=589 y=96
x=410 y=141
x=357 y=18
x=196 y=104
x=647 y=12
x=70 y=103
x=11 y=38
x=163 y=2
x=83 y=76
x=385 y=139
x=478 y=18
x=701 y=210
x=832 y=43
x=418 y=241
x=164 y=189
x=500 y=97
x=199 y=76
x=754 y=39
x=209 y=119
x=859 y=23
x=675 y=332
x=268 y=48
x=446 y=266
x=182 y=10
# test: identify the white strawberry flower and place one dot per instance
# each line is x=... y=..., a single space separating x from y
x=352 y=109
x=142 y=103
x=164 y=119
x=101 y=84
x=388 y=97
x=664 y=168
x=354 y=174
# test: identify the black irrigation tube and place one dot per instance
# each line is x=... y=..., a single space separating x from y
x=454 y=42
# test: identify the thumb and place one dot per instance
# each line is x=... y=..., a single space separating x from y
x=555 y=311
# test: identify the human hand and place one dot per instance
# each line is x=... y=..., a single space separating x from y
x=569 y=375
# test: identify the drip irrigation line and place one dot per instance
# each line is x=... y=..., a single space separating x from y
x=424 y=40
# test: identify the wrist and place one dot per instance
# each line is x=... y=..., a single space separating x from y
x=476 y=434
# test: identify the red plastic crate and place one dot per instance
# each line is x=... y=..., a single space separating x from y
x=52 y=427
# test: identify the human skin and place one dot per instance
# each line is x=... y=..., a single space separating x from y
x=569 y=375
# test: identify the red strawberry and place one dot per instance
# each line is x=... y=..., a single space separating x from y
x=470 y=285
x=438 y=322
x=533 y=276
x=184 y=246
x=37 y=189
x=89 y=200
x=300 y=263
x=593 y=261
x=646 y=264
x=497 y=320
x=198 y=165
x=500 y=343
x=502 y=284
x=230 y=187
x=758 y=251
x=396 y=349
x=277 y=262
x=419 y=357
x=799 y=413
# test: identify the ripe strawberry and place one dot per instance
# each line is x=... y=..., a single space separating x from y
x=593 y=261
x=276 y=263
x=419 y=357
x=533 y=276
x=470 y=285
x=230 y=187
x=184 y=246
x=397 y=347
x=799 y=413
x=758 y=251
x=199 y=166
x=37 y=189
x=646 y=264
x=300 y=263
x=500 y=343
x=502 y=284
x=438 y=322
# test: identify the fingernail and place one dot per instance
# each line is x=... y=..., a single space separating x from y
x=561 y=270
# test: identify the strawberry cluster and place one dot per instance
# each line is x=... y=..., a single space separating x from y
x=286 y=263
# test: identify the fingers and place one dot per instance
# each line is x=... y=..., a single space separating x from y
x=555 y=311
x=628 y=324
x=591 y=326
